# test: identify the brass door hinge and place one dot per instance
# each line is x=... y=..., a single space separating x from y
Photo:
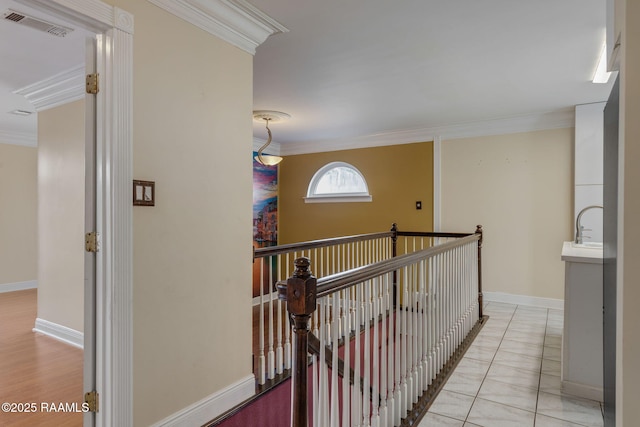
x=92 y=83
x=92 y=399
x=91 y=243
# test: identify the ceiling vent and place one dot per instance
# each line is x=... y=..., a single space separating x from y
x=36 y=23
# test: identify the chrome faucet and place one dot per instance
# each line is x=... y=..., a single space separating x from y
x=580 y=228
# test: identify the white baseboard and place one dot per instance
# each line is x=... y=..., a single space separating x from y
x=553 y=303
x=19 y=286
x=583 y=390
x=59 y=332
x=211 y=406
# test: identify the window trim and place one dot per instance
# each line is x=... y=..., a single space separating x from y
x=311 y=197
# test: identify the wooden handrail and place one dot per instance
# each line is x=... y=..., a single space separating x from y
x=336 y=282
x=282 y=249
x=321 y=243
x=432 y=234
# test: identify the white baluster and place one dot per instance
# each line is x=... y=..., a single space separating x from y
x=366 y=373
x=375 y=398
x=356 y=406
x=287 y=329
x=271 y=356
x=322 y=370
x=415 y=335
x=384 y=415
x=406 y=347
x=347 y=363
x=335 y=322
x=315 y=389
x=261 y=358
x=397 y=414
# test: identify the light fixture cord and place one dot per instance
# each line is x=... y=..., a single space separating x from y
x=265 y=145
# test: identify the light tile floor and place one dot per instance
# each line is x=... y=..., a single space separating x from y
x=510 y=376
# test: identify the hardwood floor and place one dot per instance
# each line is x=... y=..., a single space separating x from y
x=35 y=369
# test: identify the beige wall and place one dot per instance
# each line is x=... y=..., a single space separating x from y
x=61 y=196
x=18 y=223
x=519 y=187
x=397 y=177
x=628 y=347
x=192 y=250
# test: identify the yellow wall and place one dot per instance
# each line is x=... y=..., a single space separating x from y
x=192 y=251
x=520 y=188
x=18 y=223
x=397 y=177
x=61 y=203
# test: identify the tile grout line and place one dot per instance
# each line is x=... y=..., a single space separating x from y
x=546 y=324
x=490 y=363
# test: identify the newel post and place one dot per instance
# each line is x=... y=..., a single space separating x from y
x=480 y=299
x=394 y=253
x=300 y=293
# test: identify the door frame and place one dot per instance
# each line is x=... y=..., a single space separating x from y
x=114 y=174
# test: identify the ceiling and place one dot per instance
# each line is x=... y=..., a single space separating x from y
x=30 y=56
x=361 y=68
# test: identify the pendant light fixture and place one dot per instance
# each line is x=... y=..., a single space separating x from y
x=268 y=116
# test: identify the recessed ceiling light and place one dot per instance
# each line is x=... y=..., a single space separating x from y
x=21 y=112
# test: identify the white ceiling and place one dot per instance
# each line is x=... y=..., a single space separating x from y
x=30 y=56
x=359 y=68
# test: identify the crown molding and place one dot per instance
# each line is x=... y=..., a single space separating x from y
x=60 y=89
x=91 y=14
x=273 y=148
x=235 y=21
x=564 y=118
x=26 y=139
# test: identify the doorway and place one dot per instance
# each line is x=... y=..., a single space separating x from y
x=48 y=77
x=113 y=161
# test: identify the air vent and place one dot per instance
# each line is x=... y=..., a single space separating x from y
x=21 y=112
x=36 y=23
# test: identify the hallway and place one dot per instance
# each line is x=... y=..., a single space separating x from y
x=510 y=376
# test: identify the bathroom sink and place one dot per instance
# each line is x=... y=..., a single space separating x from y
x=588 y=245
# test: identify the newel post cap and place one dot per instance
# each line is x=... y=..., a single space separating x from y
x=299 y=290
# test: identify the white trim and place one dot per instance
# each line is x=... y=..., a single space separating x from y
x=60 y=89
x=18 y=286
x=114 y=263
x=582 y=390
x=338 y=199
x=59 y=332
x=553 y=303
x=26 y=139
x=549 y=120
x=211 y=406
x=234 y=21
x=437 y=183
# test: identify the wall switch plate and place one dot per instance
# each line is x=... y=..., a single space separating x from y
x=418 y=205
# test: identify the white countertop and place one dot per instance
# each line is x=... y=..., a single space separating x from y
x=585 y=254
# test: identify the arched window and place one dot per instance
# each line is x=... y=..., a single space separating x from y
x=338 y=182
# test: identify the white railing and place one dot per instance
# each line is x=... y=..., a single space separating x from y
x=330 y=256
x=373 y=359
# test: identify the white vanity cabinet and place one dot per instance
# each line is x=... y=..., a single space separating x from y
x=581 y=369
